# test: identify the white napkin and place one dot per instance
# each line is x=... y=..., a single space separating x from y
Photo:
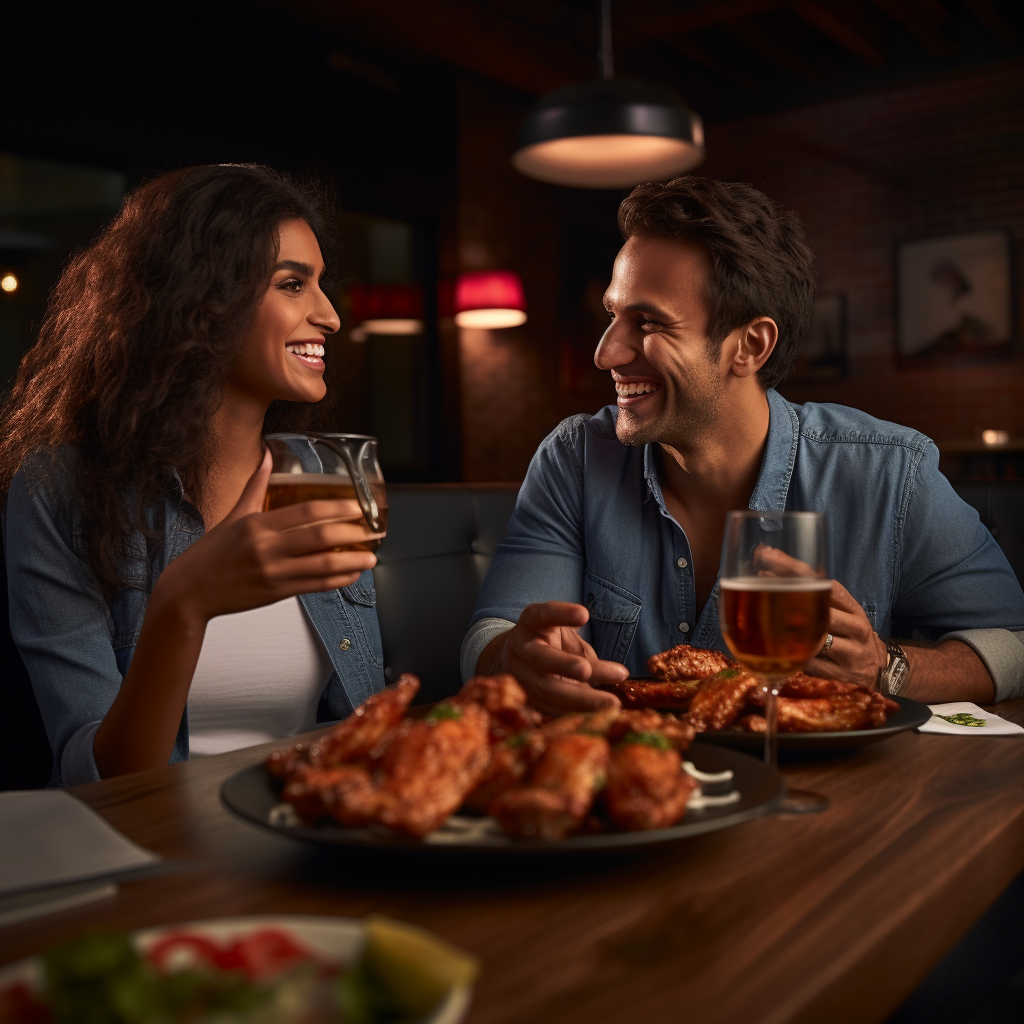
x=49 y=838
x=994 y=725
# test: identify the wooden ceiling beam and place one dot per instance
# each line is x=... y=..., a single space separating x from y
x=708 y=14
x=923 y=20
x=844 y=26
x=772 y=47
x=697 y=54
x=635 y=19
x=467 y=35
x=991 y=19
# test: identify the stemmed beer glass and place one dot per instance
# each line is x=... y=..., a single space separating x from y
x=774 y=608
x=333 y=467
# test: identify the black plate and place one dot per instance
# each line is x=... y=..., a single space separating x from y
x=911 y=715
x=252 y=793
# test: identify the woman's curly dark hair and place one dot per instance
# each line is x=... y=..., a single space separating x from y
x=140 y=334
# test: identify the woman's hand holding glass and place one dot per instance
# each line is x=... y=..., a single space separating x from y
x=254 y=558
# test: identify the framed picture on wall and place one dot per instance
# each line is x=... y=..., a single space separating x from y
x=953 y=298
x=823 y=352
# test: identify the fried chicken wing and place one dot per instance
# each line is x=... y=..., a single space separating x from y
x=686 y=662
x=354 y=737
x=286 y=761
x=720 y=699
x=647 y=787
x=880 y=708
x=504 y=700
x=429 y=766
x=802 y=685
x=825 y=714
x=639 y=693
x=510 y=763
x=678 y=733
x=594 y=722
x=314 y=792
x=561 y=789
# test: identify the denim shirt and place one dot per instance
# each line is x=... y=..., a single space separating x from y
x=77 y=647
x=591 y=527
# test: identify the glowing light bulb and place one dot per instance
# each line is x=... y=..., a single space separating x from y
x=995 y=438
x=9 y=283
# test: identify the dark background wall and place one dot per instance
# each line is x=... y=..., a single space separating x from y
x=875 y=122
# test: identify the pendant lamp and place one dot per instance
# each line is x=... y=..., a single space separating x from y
x=489 y=299
x=609 y=134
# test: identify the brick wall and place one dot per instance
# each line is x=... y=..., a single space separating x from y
x=936 y=158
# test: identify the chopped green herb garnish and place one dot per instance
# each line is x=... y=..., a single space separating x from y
x=964 y=718
x=443 y=711
x=518 y=741
x=648 y=739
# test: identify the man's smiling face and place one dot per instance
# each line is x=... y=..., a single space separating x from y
x=668 y=380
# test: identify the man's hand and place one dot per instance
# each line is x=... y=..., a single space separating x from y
x=857 y=654
x=554 y=665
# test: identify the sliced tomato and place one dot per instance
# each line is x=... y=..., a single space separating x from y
x=266 y=952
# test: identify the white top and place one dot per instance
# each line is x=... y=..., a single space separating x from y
x=260 y=676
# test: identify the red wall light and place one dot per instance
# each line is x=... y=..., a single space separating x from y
x=385 y=309
x=490 y=299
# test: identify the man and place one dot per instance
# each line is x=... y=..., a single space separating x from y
x=613 y=549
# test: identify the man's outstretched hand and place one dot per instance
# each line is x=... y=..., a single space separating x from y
x=554 y=665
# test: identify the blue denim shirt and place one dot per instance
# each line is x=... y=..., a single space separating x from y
x=77 y=647
x=591 y=527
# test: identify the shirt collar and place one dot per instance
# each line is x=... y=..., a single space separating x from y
x=776 y=467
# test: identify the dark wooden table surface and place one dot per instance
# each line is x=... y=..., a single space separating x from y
x=831 y=917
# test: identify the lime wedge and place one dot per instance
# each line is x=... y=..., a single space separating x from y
x=416 y=968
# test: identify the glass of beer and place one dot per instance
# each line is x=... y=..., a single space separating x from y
x=774 y=607
x=332 y=467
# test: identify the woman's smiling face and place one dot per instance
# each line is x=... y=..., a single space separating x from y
x=282 y=355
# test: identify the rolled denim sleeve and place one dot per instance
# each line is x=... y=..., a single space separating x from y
x=61 y=625
x=954 y=580
x=542 y=556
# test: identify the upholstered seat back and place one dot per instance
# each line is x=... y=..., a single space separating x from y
x=441 y=539
x=1000 y=503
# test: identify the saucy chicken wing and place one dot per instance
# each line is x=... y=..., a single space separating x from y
x=429 y=766
x=646 y=787
x=560 y=792
x=686 y=662
x=639 y=693
x=720 y=699
x=504 y=700
x=816 y=714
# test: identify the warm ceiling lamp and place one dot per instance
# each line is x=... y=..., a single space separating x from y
x=489 y=299
x=385 y=309
x=609 y=134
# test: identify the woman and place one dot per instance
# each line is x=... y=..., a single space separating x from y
x=134 y=474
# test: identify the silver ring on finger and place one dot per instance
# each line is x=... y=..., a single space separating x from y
x=828 y=643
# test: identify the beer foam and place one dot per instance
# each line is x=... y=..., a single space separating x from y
x=804 y=584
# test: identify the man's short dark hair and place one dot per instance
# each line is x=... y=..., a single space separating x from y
x=761 y=260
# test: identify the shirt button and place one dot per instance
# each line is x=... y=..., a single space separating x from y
x=345 y=644
x=684 y=627
x=682 y=563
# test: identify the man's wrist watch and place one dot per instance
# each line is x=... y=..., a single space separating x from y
x=892 y=680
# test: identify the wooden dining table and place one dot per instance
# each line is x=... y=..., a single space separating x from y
x=835 y=917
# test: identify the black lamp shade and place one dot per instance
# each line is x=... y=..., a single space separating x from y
x=609 y=134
